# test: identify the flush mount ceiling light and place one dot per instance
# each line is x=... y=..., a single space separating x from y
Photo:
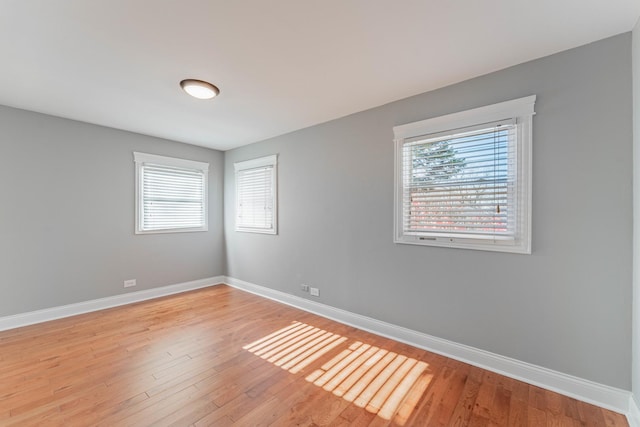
x=199 y=88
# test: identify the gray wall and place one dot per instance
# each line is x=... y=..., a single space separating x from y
x=636 y=212
x=67 y=215
x=566 y=307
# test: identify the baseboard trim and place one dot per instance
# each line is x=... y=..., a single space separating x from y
x=39 y=316
x=588 y=391
x=633 y=416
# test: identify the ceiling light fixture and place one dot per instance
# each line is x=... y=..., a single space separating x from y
x=199 y=88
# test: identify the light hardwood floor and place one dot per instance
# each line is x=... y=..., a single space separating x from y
x=219 y=356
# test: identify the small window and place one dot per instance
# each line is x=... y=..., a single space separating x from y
x=464 y=180
x=171 y=194
x=256 y=208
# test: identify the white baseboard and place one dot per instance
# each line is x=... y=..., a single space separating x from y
x=588 y=391
x=633 y=416
x=32 y=317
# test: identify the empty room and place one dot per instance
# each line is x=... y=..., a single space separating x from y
x=289 y=213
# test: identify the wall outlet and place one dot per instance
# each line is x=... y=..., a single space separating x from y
x=304 y=288
x=315 y=292
x=129 y=283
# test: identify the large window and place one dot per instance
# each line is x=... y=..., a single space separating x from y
x=464 y=180
x=171 y=194
x=256 y=202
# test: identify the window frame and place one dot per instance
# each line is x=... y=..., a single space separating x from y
x=521 y=110
x=266 y=161
x=141 y=159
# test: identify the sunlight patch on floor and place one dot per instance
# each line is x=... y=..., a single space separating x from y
x=385 y=383
x=295 y=347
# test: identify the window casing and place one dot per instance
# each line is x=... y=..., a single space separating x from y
x=464 y=180
x=171 y=194
x=256 y=195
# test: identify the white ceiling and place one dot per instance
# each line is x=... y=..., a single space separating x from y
x=281 y=65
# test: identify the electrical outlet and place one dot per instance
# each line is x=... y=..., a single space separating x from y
x=315 y=292
x=129 y=283
x=304 y=288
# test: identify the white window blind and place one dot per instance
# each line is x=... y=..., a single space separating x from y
x=466 y=187
x=171 y=194
x=461 y=184
x=256 y=195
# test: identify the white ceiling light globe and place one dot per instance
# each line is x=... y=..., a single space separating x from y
x=199 y=88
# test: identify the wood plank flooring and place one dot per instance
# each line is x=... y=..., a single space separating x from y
x=219 y=356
